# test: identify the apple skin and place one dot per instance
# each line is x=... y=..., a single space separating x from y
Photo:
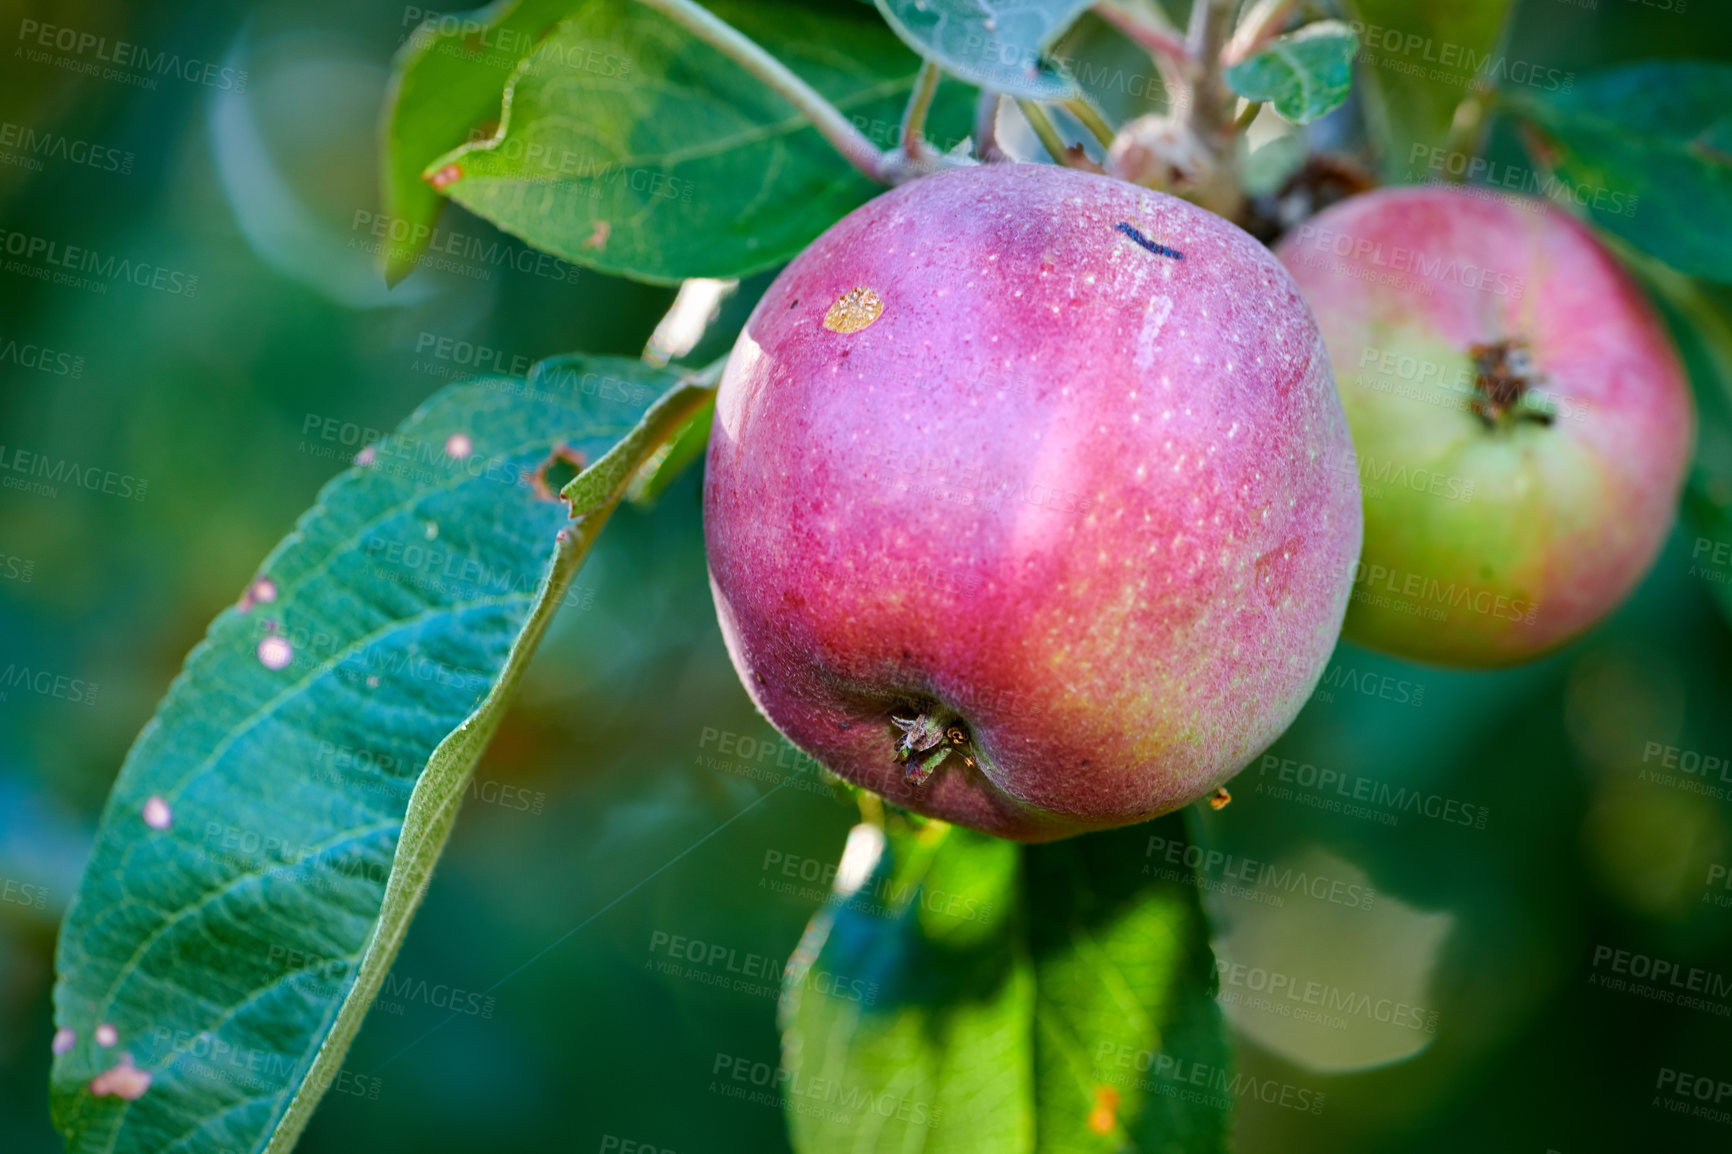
x=1490 y=544
x=1082 y=497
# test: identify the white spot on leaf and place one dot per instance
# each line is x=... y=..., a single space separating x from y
x=275 y=652
x=123 y=1080
x=157 y=815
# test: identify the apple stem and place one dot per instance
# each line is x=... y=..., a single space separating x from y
x=914 y=147
x=1090 y=119
x=1054 y=144
x=1049 y=137
x=1467 y=127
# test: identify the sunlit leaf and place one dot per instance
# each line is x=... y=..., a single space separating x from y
x=976 y=995
x=631 y=147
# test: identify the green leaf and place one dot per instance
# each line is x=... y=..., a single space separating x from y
x=1128 y=1032
x=977 y=995
x=1646 y=150
x=906 y=1009
x=447 y=86
x=1304 y=75
x=675 y=162
x=275 y=825
x=1418 y=59
x=996 y=44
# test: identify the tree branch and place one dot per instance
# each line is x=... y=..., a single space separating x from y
x=1212 y=111
x=1260 y=25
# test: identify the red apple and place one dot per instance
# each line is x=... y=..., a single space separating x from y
x=1024 y=506
x=1521 y=421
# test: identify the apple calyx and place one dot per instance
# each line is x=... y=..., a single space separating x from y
x=1506 y=385
x=934 y=733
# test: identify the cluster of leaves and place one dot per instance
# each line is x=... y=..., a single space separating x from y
x=243 y=897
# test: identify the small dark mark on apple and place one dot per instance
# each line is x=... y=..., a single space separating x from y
x=793 y=303
x=1157 y=249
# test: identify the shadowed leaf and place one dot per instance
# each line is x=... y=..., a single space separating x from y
x=275 y=825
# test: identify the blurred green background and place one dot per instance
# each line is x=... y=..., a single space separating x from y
x=235 y=403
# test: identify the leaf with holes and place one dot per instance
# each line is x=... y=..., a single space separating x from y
x=630 y=147
x=997 y=44
x=276 y=823
x=1646 y=151
x=1418 y=59
x=1304 y=75
x=982 y=996
x=447 y=86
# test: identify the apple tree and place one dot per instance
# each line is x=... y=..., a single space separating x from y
x=1033 y=508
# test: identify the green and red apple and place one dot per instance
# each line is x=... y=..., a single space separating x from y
x=1025 y=504
x=1521 y=422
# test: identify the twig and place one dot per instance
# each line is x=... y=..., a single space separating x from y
x=1252 y=108
x=1091 y=120
x=1206 y=40
x=1259 y=26
x=742 y=50
x=914 y=147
